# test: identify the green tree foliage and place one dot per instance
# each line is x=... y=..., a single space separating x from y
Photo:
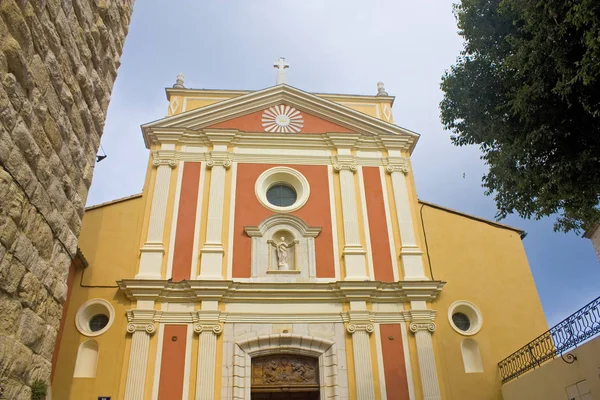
x=526 y=89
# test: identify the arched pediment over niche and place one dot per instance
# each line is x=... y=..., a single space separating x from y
x=283 y=249
x=283 y=219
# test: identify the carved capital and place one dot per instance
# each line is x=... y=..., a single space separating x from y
x=414 y=327
x=215 y=328
x=218 y=160
x=391 y=168
x=351 y=328
x=157 y=162
x=148 y=328
x=348 y=166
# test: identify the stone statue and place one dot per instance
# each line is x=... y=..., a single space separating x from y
x=282 y=255
x=179 y=82
x=381 y=89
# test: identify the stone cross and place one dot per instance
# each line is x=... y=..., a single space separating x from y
x=281 y=65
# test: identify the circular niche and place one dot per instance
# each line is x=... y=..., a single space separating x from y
x=282 y=189
x=465 y=318
x=94 y=317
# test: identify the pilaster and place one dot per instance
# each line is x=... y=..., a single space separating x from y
x=422 y=326
x=141 y=326
x=411 y=255
x=152 y=251
x=212 y=251
x=208 y=328
x=362 y=359
x=353 y=252
x=361 y=327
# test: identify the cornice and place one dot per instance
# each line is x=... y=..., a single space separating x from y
x=248 y=292
x=247 y=103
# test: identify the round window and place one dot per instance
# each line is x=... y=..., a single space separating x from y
x=465 y=318
x=94 y=317
x=98 y=322
x=461 y=321
x=281 y=195
x=282 y=189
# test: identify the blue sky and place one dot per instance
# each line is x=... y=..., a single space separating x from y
x=332 y=46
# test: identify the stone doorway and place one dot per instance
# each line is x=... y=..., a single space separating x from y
x=285 y=376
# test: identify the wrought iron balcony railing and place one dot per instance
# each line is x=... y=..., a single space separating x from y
x=575 y=329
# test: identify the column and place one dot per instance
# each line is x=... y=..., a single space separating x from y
x=138 y=359
x=427 y=368
x=410 y=253
x=152 y=250
x=363 y=371
x=354 y=254
x=205 y=378
x=211 y=258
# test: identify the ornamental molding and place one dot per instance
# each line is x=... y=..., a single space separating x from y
x=165 y=157
x=283 y=219
x=352 y=328
x=227 y=291
x=217 y=329
x=398 y=164
x=422 y=320
x=148 y=328
x=344 y=162
x=141 y=320
x=340 y=167
x=218 y=159
x=415 y=327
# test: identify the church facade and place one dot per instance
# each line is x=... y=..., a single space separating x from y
x=279 y=251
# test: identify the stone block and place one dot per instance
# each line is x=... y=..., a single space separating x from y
x=31 y=291
x=11 y=272
x=31 y=329
x=11 y=314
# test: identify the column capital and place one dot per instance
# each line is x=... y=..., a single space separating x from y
x=218 y=159
x=352 y=167
x=165 y=157
x=217 y=329
x=149 y=328
x=397 y=164
x=351 y=328
x=416 y=326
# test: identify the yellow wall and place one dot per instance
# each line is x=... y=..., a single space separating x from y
x=549 y=382
x=110 y=242
x=485 y=265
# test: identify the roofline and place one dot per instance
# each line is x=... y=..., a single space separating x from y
x=108 y=203
x=521 y=232
x=169 y=91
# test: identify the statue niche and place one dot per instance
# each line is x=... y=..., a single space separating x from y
x=283 y=249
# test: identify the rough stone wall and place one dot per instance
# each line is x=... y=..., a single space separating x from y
x=595 y=238
x=58 y=63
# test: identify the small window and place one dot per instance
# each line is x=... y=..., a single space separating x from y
x=461 y=321
x=281 y=195
x=98 y=322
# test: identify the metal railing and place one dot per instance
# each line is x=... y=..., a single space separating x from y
x=575 y=329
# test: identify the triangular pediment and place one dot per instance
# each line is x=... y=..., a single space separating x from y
x=301 y=113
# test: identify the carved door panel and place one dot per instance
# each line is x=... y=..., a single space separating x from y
x=288 y=376
x=286 y=396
